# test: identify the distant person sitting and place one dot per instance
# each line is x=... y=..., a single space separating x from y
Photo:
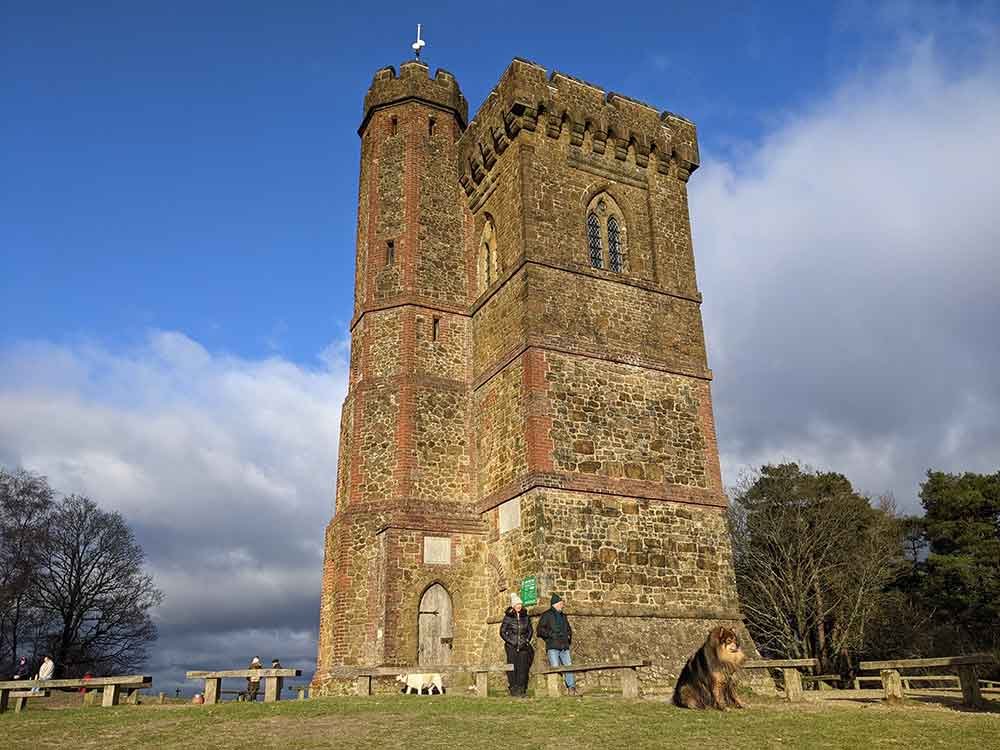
x=45 y=671
x=253 y=682
x=275 y=664
x=21 y=671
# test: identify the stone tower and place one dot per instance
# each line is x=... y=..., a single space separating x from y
x=529 y=391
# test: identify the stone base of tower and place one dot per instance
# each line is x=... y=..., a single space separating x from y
x=642 y=579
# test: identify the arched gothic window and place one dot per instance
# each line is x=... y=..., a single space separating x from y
x=488 y=263
x=605 y=234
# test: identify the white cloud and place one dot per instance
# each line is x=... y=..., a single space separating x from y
x=224 y=467
x=850 y=269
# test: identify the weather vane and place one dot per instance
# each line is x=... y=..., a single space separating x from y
x=419 y=43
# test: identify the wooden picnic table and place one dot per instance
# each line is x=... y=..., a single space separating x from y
x=789 y=671
x=965 y=665
x=272 y=679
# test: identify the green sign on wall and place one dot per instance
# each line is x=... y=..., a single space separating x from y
x=529 y=591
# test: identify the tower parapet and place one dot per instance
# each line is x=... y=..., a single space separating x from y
x=415 y=84
x=601 y=123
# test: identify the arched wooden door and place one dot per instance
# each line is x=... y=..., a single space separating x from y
x=434 y=627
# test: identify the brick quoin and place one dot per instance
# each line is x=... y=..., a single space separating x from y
x=581 y=394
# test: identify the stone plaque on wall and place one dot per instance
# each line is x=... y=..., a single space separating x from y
x=437 y=550
x=510 y=515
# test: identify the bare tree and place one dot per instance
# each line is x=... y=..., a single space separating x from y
x=92 y=587
x=25 y=505
x=812 y=559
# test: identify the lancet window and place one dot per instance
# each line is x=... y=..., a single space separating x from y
x=605 y=234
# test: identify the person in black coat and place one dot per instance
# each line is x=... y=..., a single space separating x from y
x=555 y=630
x=516 y=632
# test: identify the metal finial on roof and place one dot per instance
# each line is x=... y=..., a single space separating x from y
x=419 y=43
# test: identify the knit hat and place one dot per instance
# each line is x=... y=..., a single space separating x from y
x=555 y=599
x=515 y=600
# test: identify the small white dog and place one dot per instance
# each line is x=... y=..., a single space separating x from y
x=419 y=681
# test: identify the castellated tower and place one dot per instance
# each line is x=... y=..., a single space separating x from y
x=529 y=392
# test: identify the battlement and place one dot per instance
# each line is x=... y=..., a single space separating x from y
x=414 y=83
x=529 y=98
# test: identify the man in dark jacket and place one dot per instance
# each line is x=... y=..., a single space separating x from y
x=517 y=632
x=555 y=630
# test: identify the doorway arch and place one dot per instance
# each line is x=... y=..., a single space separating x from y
x=435 y=626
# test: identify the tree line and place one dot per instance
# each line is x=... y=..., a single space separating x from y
x=72 y=583
x=825 y=572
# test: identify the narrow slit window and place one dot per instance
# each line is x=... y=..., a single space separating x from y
x=394 y=125
x=435 y=328
x=614 y=245
x=430 y=126
x=594 y=241
x=390 y=252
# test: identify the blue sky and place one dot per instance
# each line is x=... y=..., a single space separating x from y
x=191 y=166
x=178 y=191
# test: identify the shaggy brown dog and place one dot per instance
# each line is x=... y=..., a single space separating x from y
x=707 y=678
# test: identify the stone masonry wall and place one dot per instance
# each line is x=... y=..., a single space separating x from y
x=500 y=325
x=448 y=355
x=618 y=420
x=501 y=444
x=440 y=264
x=443 y=445
x=596 y=316
x=641 y=579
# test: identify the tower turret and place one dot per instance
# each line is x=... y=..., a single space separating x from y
x=404 y=485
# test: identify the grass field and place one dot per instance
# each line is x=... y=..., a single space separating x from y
x=468 y=723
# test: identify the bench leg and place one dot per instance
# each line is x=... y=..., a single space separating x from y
x=630 y=683
x=111 y=693
x=363 y=685
x=302 y=694
x=20 y=704
x=892 y=684
x=212 y=687
x=4 y=695
x=552 y=684
x=970 y=686
x=793 y=684
x=482 y=684
x=272 y=689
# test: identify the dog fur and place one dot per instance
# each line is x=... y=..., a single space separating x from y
x=420 y=681
x=707 y=679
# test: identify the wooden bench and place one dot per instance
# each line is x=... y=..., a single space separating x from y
x=789 y=671
x=112 y=687
x=893 y=684
x=272 y=679
x=550 y=676
x=363 y=676
x=21 y=698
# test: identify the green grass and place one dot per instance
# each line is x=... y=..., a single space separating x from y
x=497 y=723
